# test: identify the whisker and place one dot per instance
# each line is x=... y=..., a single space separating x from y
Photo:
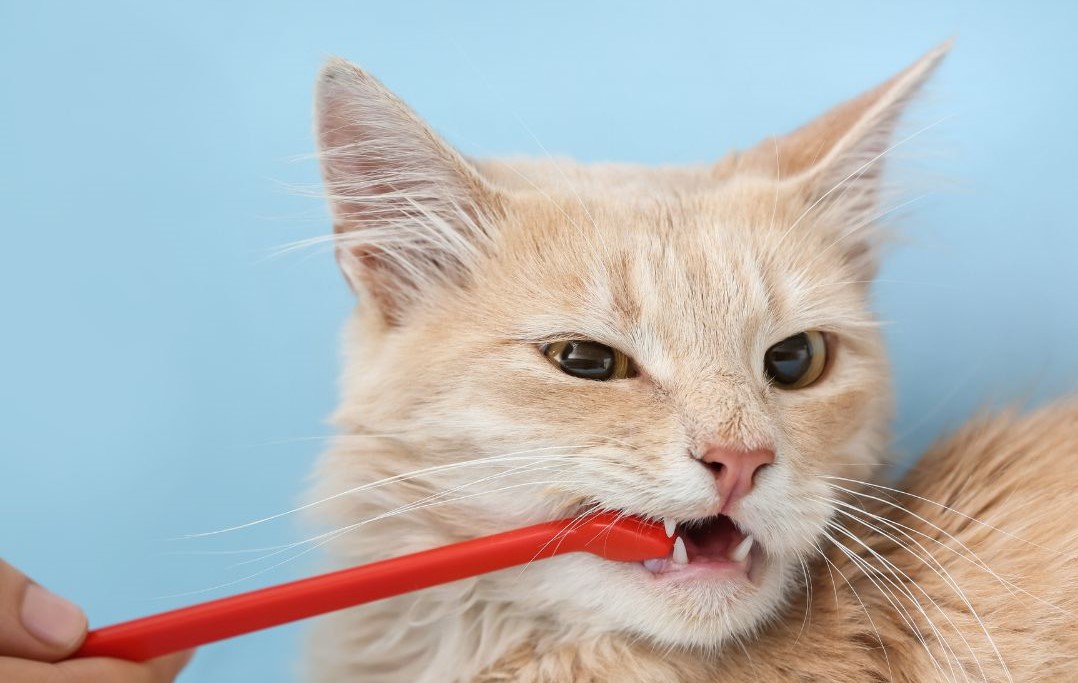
x=532 y=467
x=808 y=598
x=937 y=504
x=864 y=608
x=778 y=178
x=901 y=528
x=972 y=557
x=871 y=573
x=952 y=583
x=975 y=560
x=560 y=536
x=347 y=529
x=946 y=578
x=381 y=482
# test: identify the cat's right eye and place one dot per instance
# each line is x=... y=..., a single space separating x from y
x=588 y=359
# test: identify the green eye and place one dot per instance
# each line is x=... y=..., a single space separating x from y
x=588 y=360
x=797 y=361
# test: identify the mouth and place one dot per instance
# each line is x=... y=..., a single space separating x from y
x=712 y=548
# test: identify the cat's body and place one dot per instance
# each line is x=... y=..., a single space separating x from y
x=742 y=381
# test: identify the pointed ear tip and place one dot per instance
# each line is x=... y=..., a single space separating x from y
x=947 y=43
x=915 y=75
x=933 y=57
x=337 y=71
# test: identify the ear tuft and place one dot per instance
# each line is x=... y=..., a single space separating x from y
x=410 y=214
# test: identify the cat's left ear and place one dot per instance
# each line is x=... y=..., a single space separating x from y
x=837 y=160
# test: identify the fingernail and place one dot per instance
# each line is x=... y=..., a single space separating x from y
x=51 y=618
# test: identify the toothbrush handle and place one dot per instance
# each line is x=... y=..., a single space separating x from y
x=606 y=535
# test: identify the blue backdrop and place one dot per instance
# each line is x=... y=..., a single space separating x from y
x=163 y=372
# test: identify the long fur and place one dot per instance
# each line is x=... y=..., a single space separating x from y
x=453 y=424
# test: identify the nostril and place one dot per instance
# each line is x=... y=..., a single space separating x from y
x=715 y=467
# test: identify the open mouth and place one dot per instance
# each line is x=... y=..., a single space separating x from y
x=712 y=547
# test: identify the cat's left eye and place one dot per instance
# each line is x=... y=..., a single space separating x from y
x=588 y=359
x=797 y=361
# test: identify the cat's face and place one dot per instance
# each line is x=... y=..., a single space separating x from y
x=548 y=339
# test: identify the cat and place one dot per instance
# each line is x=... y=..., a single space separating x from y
x=542 y=339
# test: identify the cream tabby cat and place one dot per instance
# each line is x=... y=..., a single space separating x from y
x=539 y=339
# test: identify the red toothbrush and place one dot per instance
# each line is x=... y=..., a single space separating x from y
x=614 y=537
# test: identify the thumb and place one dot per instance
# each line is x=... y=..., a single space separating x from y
x=35 y=623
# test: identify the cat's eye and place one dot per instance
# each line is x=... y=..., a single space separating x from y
x=588 y=359
x=797 y=361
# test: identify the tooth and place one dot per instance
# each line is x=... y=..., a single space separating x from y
x=655 y=566
x=680 y=555
x=670 y=525
x=742 y=549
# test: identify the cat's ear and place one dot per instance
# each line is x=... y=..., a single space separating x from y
x=837 y=160
x=409 y=212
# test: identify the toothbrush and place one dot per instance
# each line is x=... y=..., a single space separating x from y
x=607 y=535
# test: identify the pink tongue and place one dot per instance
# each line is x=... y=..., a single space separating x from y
x=712 y=541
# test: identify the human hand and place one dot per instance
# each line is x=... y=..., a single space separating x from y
x=38 y=630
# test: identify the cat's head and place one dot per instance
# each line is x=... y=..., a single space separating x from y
x=540 y=339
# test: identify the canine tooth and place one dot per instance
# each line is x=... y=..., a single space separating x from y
x=680 y=555
x=670 y=525
x=742 y=549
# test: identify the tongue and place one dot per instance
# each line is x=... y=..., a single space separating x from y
x=712 y=540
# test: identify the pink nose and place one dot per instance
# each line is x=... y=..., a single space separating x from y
x=734 y=470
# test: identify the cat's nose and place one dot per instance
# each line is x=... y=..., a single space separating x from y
x=734 y=470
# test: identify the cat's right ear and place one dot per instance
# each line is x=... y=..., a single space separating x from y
x=836 y=161
x=409 y=212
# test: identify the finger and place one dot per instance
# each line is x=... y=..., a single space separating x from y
x=34 y=623
x=101 y=669
x=94 y=670
x=167 y=668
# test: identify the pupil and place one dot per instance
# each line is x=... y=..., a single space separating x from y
x=587 y=359
x=790 y=359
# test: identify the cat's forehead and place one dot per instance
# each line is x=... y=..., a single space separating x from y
x=674 y=262
x=556 y=176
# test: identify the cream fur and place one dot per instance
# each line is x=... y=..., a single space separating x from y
x=464 y=268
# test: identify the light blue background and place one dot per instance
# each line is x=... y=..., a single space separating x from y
x=162 y=374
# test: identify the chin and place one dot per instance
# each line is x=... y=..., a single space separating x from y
x=694 y=608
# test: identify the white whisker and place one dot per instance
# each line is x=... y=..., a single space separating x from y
x=872 y=574
x=941 y=572
x=969 y=555
x=339 y=532
x=516 y=455
x=418 y=504
x=937 y=504
x=864 y=608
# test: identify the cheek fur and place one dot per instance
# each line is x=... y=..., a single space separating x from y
x=819 y=425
